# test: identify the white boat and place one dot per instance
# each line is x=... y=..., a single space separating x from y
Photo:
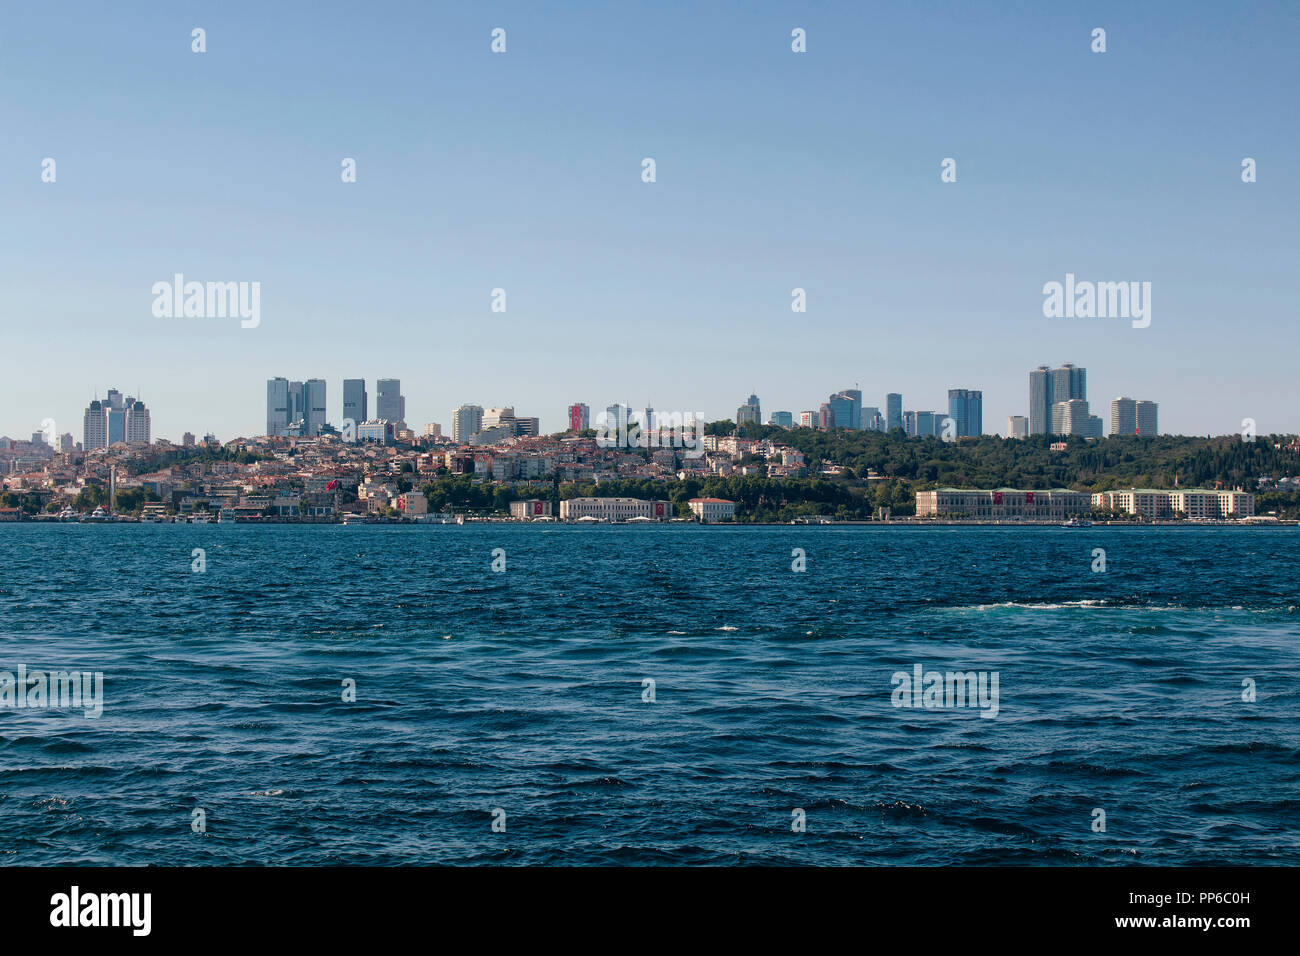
x=67 y=514
x=1077 y=523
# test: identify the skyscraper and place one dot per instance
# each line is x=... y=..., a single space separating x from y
x=749 y=413
x=1123 y=416
x=94 y=427
x=1146 y=418
x=782 y=419
x=579 y=417
x=893 y=411
x=467 y=420
x=138 y=428
x=313 y=406
x=356 y=405
x=847 y=404
x=1017 y=426
x=389 y=401
x=278 y=407
x=966 y=408
x=1049 y=387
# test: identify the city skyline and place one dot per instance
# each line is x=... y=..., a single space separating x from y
x=912 y=284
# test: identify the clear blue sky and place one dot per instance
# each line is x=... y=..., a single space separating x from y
x=522 y=171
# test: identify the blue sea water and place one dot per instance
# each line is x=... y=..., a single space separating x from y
x=523 y=690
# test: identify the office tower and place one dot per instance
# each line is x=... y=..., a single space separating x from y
x=187 y=440
x=927 y=424
x=909 y=424
x=1146 y=418
x=893 y=411
x=1093 y=427
x=66 y=443
x=356 y=405
x=1123 y=416
x=115 y=412
x=807 y=419
x=825 y=416
x=94 y=427
x=495 y=417
x=966 y=409
x=528 y=426
x=579 y=417
x=278 y=407
x=389 y=402
x=870 y=419
x=847 y=406
x=1017 y=426
x=313 y=406
x=749 y=413
x=782 y=420
x=1041 y=399
x=136 y=424
x=467 y=420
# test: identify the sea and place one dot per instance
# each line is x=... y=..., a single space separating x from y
x=668 y=695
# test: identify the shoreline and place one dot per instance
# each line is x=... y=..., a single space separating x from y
x=829 y=523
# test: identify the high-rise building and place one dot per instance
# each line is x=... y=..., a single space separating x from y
x=966 y=409
x=1123 y=416
x=115 y=419
x=466 y=421
x=847 y=405
x=893 y=411
x=390 y=405
x=1071 y=418
x=782 y=420
x=356 y=405
x=1017 y=426
x=187 y=440
x=579 y=417
x=494 y=417
x=313 y=406
x=1050 y=387
x=807 y=419
x=94 y=427
x=1146 y=418
x=749 y=413
x=279 y=407
x=927 y=424
x=871 y=419
x=138 y=428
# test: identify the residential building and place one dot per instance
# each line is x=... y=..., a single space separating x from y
x=466 y=421
x=1123 y=416
x=1146 y=418
x=579 y=417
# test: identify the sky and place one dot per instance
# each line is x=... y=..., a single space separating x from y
x=522 y=171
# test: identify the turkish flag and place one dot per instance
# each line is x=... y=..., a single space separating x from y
x=659 y=509
x=997 y=497
x=537 y=507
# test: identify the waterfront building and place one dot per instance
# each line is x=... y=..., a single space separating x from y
x=530 y=509
x=1002 y=504
x=712 y=509
x=1188 y=502
x=614 y=509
